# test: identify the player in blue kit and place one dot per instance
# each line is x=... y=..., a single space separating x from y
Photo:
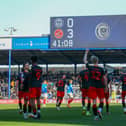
x=44 y=93
x=70 y=93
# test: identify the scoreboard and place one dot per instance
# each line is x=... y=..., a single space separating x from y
x=80 y=32
x=62 y=33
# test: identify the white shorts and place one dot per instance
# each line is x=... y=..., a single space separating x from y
x=70 y=95
x=44 y=95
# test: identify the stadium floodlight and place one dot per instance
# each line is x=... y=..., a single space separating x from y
x=10 y=30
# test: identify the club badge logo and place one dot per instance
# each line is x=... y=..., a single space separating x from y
x=58 y=33
x=102 y=31
x=58 y=23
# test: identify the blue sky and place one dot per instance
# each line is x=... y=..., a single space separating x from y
x=32 y=17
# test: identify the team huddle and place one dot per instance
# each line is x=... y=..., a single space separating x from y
x=29 y=85
x=95 y=85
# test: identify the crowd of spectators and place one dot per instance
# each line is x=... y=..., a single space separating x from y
x=3 y=85
x=52 y=78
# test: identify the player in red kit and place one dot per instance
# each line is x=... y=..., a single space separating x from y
x=123 y=80
x=60 y=91
x=26 y=95
x=35 y=79
x=84 y=85
x=96 y=88
x=107 y=93
x=19 y=87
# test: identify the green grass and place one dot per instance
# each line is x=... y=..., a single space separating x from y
x=9 y=116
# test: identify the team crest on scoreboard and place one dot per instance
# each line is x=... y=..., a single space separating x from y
x=102 y=31
x=58 y=33
x=58 y=22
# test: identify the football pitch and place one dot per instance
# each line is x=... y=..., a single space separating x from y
x=9 y=116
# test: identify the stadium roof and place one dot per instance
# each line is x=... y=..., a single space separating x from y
x=62 y=57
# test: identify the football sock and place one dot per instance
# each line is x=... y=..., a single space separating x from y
x=38 y=107
x=34 y=111
x=83 y=102
x=95 y=109
x=60 y=101
x=107 y=107
x=89 y=105
x=57 y=101
x=20 y=104
x=29 y=108
x=70 y=100
x=24 y=108
x=44 y=101
x=123 y=103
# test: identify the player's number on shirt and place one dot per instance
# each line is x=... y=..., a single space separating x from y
x=60 y=84
x=96 y=75
x=38 y=75
x=86 y=77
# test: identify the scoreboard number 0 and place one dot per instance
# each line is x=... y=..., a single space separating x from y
x=70 y=22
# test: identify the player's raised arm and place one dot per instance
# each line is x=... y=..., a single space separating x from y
x=85 y=56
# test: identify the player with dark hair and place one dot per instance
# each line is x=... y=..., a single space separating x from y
x=35 y=79
x=19 y=87
x=123 y=80
x=60 y=91
x=96 y=88
x=22 y=84
x=26 y=96
x=84 y=85
x=70 y=92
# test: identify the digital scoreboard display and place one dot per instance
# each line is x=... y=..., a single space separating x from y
x=88 y=32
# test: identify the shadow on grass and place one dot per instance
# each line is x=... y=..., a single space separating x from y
x=66 y=117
